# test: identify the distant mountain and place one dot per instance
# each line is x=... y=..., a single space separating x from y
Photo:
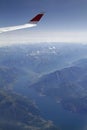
x=65 y=86
x=18 y=112
x=42 y=59
x=81 y=63
x=7 y=76
x=30 y=62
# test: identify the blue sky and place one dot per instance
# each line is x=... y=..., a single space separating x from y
x=64 y=20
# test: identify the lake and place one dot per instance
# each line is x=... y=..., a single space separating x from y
x=51 y=110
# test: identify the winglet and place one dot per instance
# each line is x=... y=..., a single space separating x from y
x=36 y=18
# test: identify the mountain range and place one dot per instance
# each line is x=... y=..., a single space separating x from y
x=58 y=71
x=67 y=86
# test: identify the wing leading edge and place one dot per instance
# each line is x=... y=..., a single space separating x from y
x=33 y=22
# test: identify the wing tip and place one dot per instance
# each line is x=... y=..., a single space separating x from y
x=37 y=18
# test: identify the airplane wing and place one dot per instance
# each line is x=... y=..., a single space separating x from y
x=33 y=22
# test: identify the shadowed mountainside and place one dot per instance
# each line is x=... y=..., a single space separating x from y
x=67 y=86
x=18 y=112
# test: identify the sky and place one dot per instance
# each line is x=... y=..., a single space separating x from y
x=64 y=21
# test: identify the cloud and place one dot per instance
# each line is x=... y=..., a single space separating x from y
x=33 y=37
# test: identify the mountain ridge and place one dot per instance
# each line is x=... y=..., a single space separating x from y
x=63 y=85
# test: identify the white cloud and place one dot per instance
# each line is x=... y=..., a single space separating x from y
x=31 y=36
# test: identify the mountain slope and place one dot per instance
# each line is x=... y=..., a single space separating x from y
x=18 y=112
x=65 y=86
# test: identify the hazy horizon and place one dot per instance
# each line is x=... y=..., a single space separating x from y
x=64 y=21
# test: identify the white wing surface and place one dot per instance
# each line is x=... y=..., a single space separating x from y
x=33 y=22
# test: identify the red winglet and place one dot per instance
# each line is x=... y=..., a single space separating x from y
x=37 y=18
